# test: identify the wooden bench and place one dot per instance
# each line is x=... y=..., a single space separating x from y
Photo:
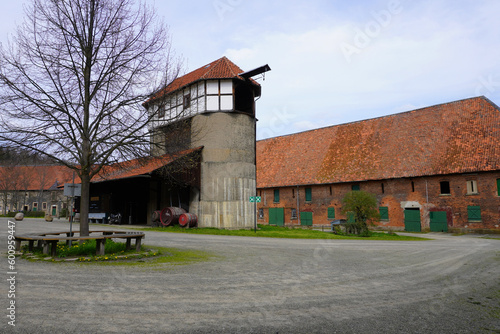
x=50 y=240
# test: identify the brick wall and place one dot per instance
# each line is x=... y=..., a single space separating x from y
x=424 y=193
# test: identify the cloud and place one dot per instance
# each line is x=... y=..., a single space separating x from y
x=425 y=53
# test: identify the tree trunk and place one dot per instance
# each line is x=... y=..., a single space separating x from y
x=84 y=205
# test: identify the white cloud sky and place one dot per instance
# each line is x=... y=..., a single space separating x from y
x=402 y=54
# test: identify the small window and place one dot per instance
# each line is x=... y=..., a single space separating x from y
x=356 y=187
x=308 y=194
x=445 y=187
x=474 y=213
x=186 y=102
x=412 y=186
x=384 y=213
x=471 y=187
x=44 y=205
x=293 y=193
x=161 y=111
x=276 y=195
x=261 y=213
x=498 y=187
x=382 y=187
x=331 y=213
x=294 y=214
x=331 y=193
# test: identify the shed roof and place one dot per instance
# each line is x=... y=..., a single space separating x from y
x=456 y=137
x=137 y=167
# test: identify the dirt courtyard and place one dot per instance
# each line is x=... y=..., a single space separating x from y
x=450 y=284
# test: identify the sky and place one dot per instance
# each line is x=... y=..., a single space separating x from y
x=337 y=61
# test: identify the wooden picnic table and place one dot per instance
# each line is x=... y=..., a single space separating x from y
x=49 y=240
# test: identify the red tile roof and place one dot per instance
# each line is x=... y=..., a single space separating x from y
x=221 y=68
x=138 y=167
x=456 y=137
x=34 y=178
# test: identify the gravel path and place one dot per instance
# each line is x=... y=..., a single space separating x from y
x=450 y=284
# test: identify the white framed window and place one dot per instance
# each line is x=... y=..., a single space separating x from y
x=219 y=95
x=472 y=187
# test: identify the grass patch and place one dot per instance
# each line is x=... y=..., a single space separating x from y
x=268 y=231
x=116 y=254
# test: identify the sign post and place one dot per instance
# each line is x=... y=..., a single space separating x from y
x=255 y=200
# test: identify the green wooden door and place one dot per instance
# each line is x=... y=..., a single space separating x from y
x=412 y=220
x=277 y=216
x=439 y=221
x=306 y=218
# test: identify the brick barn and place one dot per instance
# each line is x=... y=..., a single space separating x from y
x=435 y=168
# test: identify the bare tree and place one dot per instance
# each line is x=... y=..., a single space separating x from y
x=74 y=78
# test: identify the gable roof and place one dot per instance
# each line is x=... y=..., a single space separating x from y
x=221 y=68
x=456 y=137
x=137 y=167
x=34 y=178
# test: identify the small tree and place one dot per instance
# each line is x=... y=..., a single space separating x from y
x=363 y=206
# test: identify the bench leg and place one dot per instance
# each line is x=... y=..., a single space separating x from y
x=30 y=245
x=138 y=244
x=18 y=245
x=53 y=250
x=45 y=246
x=127 y=244
x=99 y=245
x=39 y=244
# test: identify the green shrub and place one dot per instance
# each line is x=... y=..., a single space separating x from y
x=34 y=214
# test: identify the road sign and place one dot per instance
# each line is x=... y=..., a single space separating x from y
x=72 y=189
x=256 y=199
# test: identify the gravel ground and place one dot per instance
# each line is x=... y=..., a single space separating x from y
x=450 y=284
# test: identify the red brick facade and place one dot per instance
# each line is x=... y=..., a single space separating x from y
x=442 y=163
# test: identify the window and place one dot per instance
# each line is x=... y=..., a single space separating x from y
x=331 y=190
x=331 y=213
x=294 y=214
x=445 y=187
x=412 y=186
x=186 y=102
x=498 y=187
x=44 y=206
x=276 y=195
x=384 y=213
x=261 y=213
x=471 y=187
x=474 y=213
x=161 y=111
x=35 y=206
x=220 y=95
x=308 y=194
x=382 y=186
x=356 y=187
x=293 y=193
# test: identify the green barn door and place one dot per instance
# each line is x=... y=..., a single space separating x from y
x=306 y=218
x=439 y=222
x=277 y=216
x=412 y=220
